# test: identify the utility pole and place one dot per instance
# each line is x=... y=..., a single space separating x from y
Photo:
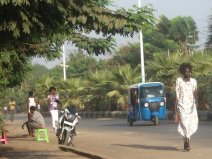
x=64 y=62
x=141 y=51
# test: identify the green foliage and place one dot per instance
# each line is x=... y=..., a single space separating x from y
x=12 y=68
x=27 y=29
x=36 y=73
x=179 y=33
x=209 y=36
x=165 y=69
x=18 y=94
x=121 y=78
x=104 y=87
x=71 y=92
x=39 y=28
x=1 y=121
x=79 y=65
x=129 y=54
x=33 y=22
x=95 y=88
x=184 y=31
x=164 y=26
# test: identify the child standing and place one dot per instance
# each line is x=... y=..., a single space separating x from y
x=31 y=101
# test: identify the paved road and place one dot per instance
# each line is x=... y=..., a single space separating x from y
x=114 y=139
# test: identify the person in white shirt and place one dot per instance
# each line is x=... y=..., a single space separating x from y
x=53 y=101
x=31 y=101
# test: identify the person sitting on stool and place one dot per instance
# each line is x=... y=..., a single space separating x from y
x=36 y=121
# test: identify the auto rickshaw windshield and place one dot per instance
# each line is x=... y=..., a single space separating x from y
x=153 y=91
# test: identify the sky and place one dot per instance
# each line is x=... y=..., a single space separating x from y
x=199 y=10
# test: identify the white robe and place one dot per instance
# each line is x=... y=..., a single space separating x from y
x=186 y=107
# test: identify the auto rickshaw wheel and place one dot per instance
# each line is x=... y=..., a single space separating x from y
x=156 y=121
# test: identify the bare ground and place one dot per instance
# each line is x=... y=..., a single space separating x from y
x=20 y=146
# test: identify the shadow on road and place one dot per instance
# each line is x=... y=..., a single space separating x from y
x=126 y=124
x=11 y=153
x=24 y=136
x=148 y=147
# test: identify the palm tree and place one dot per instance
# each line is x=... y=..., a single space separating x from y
x=95 y=90
x=41 y=90
x=121 y=78
x=71 y=92
x=165 y=69
x=203 y=74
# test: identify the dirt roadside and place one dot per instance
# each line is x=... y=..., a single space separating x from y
x=19 y=146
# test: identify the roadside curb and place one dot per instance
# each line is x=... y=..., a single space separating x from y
x=203 y=115
x=81 y=152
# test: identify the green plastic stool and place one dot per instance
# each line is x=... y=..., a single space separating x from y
x=42 y=137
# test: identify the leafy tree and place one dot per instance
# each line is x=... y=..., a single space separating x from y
x=166 y=36
x=184 y=31
x=155 y=42
x=39 y=28
x=179 y=33
x=128 y=54
x=209 y=36
x=13 y=68
x=39 y=71
x=80 y=64
x=164 y=26
x=35 y=73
